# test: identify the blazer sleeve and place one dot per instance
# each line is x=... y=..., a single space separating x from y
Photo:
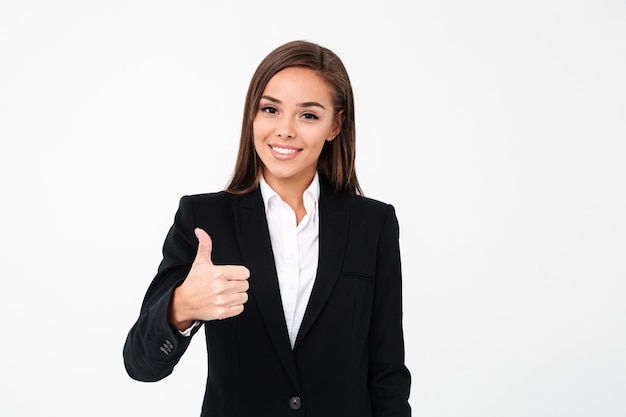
x=389 y=380
x=153 y=346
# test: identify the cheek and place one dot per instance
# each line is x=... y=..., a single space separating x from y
x=256 y=133
x=260 y=129
x=258 y=144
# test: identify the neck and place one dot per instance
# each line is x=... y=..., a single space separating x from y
x=291 y=191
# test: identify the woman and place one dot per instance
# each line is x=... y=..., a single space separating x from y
x=294 y=274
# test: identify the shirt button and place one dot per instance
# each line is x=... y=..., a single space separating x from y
x=295 y=403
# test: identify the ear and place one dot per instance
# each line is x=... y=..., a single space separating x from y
x=337 y=128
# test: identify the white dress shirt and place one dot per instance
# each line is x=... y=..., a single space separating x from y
x=296 y=250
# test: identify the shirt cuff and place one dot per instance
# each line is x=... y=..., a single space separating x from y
x=187 y=332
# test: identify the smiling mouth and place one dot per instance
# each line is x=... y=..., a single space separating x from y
x=284 y=151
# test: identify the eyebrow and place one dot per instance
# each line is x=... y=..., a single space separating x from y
x=305 y=104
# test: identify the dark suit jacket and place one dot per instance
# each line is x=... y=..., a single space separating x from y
x=348 y=358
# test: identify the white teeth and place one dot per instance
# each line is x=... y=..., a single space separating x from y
x=284 y=151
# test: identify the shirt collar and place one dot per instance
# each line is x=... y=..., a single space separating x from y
x=311 y=194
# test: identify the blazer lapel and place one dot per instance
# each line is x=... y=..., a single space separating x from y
x=256 y=249
x=333 y=236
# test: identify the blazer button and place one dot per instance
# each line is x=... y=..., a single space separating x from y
x=167 y=347
x=295 y=403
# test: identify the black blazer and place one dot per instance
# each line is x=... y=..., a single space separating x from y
x=348 y=358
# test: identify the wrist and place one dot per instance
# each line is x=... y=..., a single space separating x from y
x=175 y=316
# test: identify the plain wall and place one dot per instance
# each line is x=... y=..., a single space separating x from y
x=496 y=128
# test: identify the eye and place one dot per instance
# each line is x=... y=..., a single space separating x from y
x=310 y=116
x=269 y=109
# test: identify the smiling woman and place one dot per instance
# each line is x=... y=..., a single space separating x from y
x=294 y=274
x=294 y=121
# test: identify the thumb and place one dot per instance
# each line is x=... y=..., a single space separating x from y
x=205 y=246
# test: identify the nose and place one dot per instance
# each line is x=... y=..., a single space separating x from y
x=285 y=130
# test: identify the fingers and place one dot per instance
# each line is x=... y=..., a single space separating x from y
x=229 y=299
x=229 y=312
x=205 y=246
x=230 y=303
x=235 y=272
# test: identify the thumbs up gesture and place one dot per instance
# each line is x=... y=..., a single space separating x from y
x=210 y=292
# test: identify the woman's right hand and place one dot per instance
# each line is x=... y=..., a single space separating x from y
x=210 y=292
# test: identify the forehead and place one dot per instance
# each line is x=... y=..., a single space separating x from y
x=299 y=84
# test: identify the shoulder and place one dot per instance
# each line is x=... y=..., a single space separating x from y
x=216 y=204
x=372 y=211
x=222 y=199
x=366 y=205
x=361 y=210
x=354 y=203
x=215 y=198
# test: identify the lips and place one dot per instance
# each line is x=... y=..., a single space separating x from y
x=283 y=152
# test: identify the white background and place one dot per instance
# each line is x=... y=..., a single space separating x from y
x=496 y=128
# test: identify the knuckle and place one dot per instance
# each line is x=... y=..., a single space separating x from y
x=218 y=288
x=218 y=273
x=219 y=300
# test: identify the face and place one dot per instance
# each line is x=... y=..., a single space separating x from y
x=294 y=119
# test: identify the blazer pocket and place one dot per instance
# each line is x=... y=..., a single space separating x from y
x=358 y=275
x=358 y=298
x=358 y=287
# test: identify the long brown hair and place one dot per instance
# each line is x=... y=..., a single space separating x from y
x=336 y=163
